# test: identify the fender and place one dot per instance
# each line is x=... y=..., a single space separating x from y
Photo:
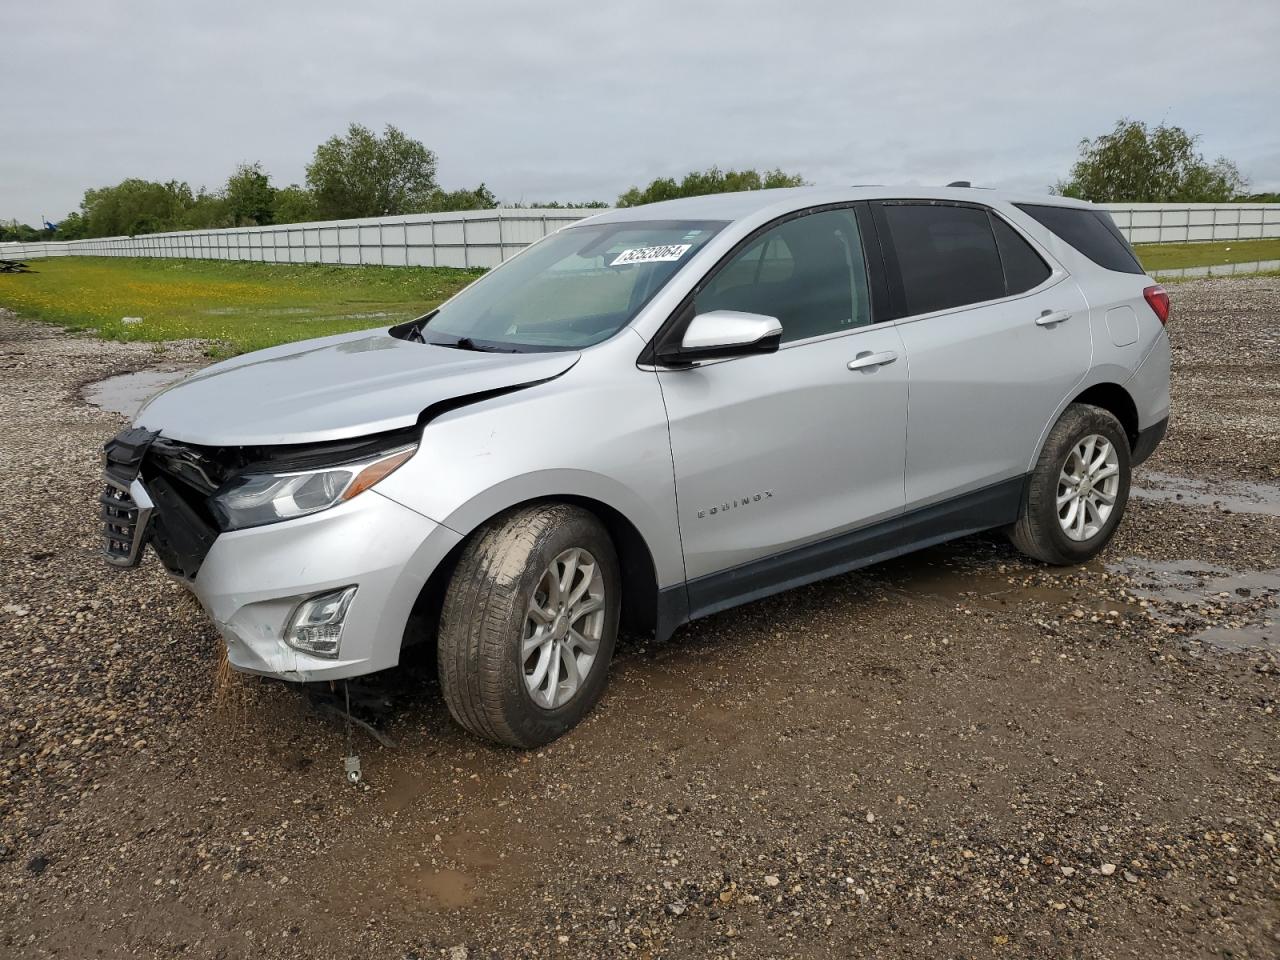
x=1103 y=373
x=582 y=484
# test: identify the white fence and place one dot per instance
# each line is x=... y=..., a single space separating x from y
x=1183 y=222
x=484 y=238
x=479 y=238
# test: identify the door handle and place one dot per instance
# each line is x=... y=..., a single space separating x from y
x=867 y=360
x=1049 y=317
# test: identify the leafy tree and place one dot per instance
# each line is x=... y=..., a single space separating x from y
x=136 y=206
x=21 y=232
x=73 y=227
x=1134 y=164
x=364 y=175
x=715 y=180
x=293 y=204
x=441 y=201
x=249 y=196
x=207 y=211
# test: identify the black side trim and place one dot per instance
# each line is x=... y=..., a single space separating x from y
x=1147 y=442
x=993 y=506
x=672 y=611
x=125 y=452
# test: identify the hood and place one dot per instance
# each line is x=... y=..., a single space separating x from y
x=332 y=389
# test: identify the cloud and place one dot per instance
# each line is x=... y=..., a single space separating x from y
x=579 y=101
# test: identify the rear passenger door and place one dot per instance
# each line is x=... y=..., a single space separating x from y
x=996 y=336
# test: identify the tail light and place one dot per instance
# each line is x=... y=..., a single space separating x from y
x=1158 y=300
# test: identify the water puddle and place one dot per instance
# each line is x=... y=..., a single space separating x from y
x=1235 y=611
x=127 y=393
x=969 y=573
x=1235 y=496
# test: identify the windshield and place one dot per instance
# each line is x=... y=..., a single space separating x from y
x=578 y=287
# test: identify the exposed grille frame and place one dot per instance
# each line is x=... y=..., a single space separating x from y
x=126 y=513
x=124 y=504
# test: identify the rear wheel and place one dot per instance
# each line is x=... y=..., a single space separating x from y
x=1076 y=494
x=529 y=623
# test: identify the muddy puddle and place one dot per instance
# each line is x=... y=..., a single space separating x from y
x=1235 y=610
x=1235 y=496
x=970 y=573
x=125 y=394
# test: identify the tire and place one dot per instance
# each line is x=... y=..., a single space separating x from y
x=486 y=622
x=1041 y=530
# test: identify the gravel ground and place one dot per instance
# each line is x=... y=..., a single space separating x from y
x=955 y=754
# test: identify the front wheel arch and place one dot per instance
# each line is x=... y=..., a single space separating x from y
x=639 y=571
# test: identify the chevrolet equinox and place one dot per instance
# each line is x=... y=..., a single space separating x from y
x=649 y=416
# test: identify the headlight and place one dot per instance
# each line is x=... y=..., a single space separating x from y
x=253 y=499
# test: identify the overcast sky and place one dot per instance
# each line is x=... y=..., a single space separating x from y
x=549 y=100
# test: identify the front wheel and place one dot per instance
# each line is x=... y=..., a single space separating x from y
x=1076 y=494
x=529 y=623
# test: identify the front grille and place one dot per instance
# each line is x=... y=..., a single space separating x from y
x=124 y=522
x=124 y=506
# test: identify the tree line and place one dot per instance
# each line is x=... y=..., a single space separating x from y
x=357 y=174
x=363 y=174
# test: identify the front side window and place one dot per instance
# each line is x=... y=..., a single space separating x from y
x=947 y=255
x=809 y=273
x=576 y=288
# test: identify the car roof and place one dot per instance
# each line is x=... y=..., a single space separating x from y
x=751 y=203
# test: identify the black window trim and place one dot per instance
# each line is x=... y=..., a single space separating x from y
x=672 y=329
x=893 y=273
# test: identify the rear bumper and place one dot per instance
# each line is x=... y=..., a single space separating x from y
x=1148 y=440
x=252 y=580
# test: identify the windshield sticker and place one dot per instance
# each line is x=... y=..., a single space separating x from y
x=671 y=251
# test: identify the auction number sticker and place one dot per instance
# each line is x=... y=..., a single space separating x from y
x=671 y=251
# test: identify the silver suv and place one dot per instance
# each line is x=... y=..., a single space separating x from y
x=650 y=416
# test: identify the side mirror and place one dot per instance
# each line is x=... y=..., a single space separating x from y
x=724 y=333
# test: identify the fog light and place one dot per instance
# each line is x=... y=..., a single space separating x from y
x=316 y=626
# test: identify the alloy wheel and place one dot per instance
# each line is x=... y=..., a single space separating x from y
x=562 y=628
x=1088 y=487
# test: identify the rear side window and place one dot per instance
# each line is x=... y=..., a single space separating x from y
x=947 y=255
x=1092 y=232
x=1023 y=268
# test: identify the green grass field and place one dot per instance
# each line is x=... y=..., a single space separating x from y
x=240 y=306
x=1170 y=256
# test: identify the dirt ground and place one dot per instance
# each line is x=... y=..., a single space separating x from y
x=960 y=753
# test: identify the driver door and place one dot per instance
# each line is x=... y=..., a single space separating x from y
x=777 y=455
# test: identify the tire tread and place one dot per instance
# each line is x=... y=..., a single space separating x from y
x=1035 y=532
x=482 y=607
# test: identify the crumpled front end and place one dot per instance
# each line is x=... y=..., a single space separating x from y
x=266 y=587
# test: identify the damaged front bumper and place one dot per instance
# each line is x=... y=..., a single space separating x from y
x=252 y=581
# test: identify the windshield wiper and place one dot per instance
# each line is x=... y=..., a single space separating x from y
x=466 y=343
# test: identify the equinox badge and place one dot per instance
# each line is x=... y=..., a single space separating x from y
x=734 y=504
